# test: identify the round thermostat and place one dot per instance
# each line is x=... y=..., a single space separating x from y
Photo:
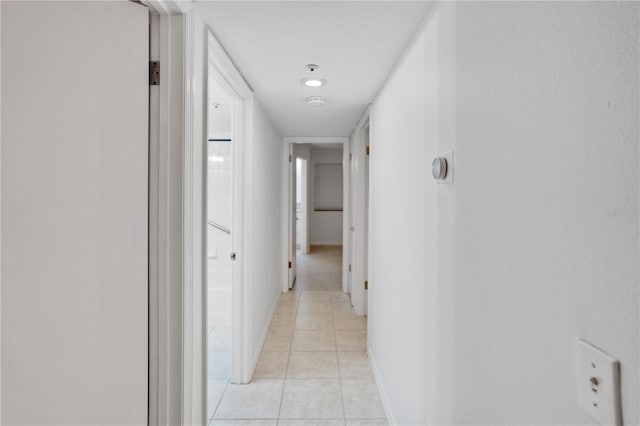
x=439 y=168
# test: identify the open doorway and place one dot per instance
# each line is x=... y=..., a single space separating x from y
x=302 y=241
x=218 y=109
x=219 y=183
x=318 y=201
x=359 y=218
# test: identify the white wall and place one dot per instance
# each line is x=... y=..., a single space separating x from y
x=263 y=188
x=325 y=226
x=475 y=319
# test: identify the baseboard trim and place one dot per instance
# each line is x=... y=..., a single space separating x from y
x=383 y=393
x=263 y=337
x=326 y=243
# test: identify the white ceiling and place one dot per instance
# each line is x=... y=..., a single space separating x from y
x=355 y=43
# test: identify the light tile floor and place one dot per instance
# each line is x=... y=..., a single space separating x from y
x=313 y=369
x=218 y=363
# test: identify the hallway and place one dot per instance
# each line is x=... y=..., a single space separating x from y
x=313 y=369
x=469 y=171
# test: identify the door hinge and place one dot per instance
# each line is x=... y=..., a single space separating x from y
x=350 y=156
x=154 y=73
x=368 y=150
x=366 y=285
x=233 y=255
x=291 y=158
x=290 y=265
x=349 y=268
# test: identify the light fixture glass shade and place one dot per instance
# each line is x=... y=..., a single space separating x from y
x=315 y=101
x=313 y=82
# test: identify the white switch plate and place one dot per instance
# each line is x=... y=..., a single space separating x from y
x=598 y=382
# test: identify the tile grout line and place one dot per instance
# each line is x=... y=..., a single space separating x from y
x=335 y=338
x=226 y=386
x=220 y=400
x=335 y=310
x=286 y=370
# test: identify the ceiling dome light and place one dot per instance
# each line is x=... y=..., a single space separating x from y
x=315 y=101
x=313 y=82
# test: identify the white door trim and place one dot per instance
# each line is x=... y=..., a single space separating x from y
x=291 y=173
x=193 y=308
x=358 y=219
x=286 y=235
x=218 y=66
x=166 y=135
x=228 y=76
x=177 y=386
x=1 y=245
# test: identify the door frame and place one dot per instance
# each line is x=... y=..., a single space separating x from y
x=177 y=303
x=291 y=213
x=222 y=70
x=287 y=197
x=359 y=213
x=166 y=136
x=211 y=62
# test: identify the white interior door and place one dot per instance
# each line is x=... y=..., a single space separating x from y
x=292 y=217
x=351 y=226
x=302 y=234
x=366 y=224
x=300 y=210
x=74 y=212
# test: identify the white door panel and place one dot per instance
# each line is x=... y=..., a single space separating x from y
x=292 y=216
x=74 y=212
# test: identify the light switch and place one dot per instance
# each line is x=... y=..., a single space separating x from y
x=598 y=384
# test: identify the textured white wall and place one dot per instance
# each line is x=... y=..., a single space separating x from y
x=480 y=289
x=325 y=227
x=263 y=187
